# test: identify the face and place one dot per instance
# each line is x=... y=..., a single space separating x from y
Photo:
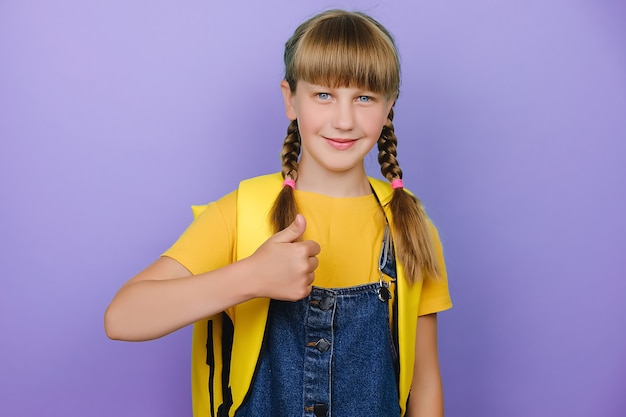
x=338 y=126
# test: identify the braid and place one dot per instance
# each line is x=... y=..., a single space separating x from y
x=387 y=151
x=410 y=226
x=291 y=151
x=285 y=209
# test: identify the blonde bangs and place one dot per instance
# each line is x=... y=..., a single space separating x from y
x=345 y=50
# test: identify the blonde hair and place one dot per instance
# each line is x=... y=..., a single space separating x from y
x=350 y=49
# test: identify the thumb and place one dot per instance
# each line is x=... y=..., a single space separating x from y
x=292 y=232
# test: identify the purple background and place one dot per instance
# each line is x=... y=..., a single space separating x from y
x=116 y=116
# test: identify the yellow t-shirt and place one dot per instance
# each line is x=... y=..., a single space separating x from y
x=349 y=231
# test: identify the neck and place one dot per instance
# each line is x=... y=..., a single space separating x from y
x=353 y=183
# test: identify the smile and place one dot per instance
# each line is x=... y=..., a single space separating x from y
x=340 y=144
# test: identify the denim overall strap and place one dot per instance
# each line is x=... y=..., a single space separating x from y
x=330 y=354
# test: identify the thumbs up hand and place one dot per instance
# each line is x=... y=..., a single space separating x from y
x=284 y=265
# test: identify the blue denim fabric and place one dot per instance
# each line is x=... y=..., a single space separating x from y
x=331 y=354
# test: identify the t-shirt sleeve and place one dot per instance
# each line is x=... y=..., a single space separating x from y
x=435 y=294
x=210 y=240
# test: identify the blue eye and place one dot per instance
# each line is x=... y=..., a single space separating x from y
x=323 y=96
x=364 y=99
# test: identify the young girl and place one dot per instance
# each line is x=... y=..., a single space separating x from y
x=322 y=270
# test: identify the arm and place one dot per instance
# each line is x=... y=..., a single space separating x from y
x=426 y=398
x=165 y=296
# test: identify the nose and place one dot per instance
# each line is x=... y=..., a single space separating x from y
x=343 y=116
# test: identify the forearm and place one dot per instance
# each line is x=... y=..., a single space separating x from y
x=151 y=308
x=165 y=297
x=426 y=401
x=426 y=398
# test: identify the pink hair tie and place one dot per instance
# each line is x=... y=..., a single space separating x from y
x=397 y=183
x=290 y=182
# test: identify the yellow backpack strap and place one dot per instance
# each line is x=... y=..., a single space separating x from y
x=407 y=304
x=214 y=339
x=210 y=357
x=255 y=199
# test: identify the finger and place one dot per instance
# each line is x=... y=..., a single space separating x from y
x=312 y=247
x=313 y=263
x=291 y=233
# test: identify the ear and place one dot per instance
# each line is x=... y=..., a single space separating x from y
x=288 y=98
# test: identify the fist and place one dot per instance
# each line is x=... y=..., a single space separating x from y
x=284 y=265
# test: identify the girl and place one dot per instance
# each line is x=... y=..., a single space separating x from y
x=322 y=270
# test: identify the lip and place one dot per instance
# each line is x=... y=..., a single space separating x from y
x=340 y=144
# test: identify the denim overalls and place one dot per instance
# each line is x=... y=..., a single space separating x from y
x=330 y=354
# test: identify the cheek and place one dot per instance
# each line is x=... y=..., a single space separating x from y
x=311 y=116
x=385 y=115
x=374 y=122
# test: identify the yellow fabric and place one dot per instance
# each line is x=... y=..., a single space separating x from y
x=332 y=222
x=349 y=230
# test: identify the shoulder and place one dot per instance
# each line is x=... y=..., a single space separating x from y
x=208 y=242
x=224 y=206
